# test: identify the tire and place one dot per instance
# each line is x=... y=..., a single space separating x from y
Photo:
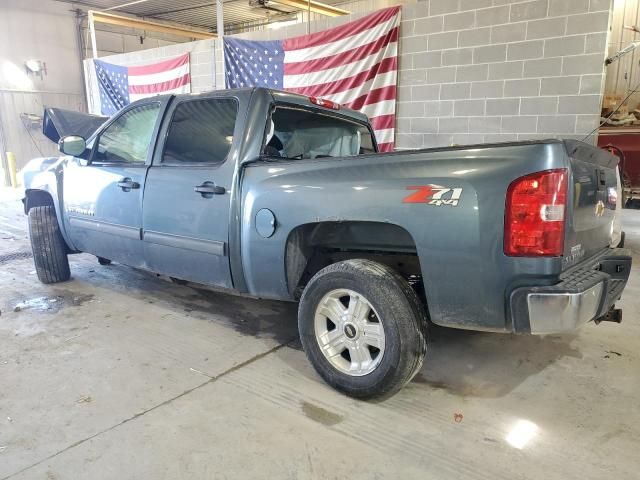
x=384 y=299
x=48 y=246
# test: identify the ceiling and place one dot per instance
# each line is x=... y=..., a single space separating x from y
x=196 y=13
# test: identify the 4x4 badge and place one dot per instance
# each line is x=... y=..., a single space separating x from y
x=431 y=195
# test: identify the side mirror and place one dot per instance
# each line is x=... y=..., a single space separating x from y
x=72 y=145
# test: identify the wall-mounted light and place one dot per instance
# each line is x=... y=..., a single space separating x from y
x=35 y=67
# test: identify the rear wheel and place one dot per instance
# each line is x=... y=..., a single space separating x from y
x=363 y=328
x=47 y=244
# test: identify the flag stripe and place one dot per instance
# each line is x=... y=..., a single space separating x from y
x=385 y=93
x=384 y=136
x=385 y=147
x=337 y=73
x=385 y=107
x=341 y=32
x=342 y=46
x=386 y=65
x=159 y=67
x=359 y=53
x=379 y=81
x=383 y=122
x=162 y=87
x=175 y=91
x=159 y=77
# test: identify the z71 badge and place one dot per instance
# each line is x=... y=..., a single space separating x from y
x=431 y=195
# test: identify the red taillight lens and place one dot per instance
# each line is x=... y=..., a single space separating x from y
x=534 y=215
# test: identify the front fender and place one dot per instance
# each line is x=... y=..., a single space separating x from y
x=46 y=175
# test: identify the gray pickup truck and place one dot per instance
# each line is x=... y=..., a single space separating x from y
x=282 y=196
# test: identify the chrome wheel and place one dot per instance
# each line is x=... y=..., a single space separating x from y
x=349 y=332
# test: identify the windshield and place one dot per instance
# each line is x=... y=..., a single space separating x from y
x=298 y=133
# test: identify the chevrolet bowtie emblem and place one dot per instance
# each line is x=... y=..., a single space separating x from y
x=599 y=208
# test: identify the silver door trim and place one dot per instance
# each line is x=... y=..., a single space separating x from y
x=212 y=247
x=133 y=233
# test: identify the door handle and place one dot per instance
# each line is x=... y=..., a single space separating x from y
x=126 y=184
x=208 y=189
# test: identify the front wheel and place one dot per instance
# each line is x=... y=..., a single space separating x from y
x=363 y=328
x=47 y=244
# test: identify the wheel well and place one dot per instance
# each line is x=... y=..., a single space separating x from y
x=313 y=246
x=37 y=198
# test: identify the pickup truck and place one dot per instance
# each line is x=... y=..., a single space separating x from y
x=281 y=196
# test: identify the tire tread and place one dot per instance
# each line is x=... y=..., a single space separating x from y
x=49 y=249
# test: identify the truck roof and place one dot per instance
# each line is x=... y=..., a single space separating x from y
x=280 y=96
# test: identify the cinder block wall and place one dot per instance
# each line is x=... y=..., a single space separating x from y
x=495 y=70
x=470 y=70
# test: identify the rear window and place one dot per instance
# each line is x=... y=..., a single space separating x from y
x=201 y=131
x=298 y=133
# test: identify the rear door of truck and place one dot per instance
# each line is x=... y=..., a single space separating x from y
x=592 y=202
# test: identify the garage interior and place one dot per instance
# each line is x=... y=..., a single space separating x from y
x=122 y=373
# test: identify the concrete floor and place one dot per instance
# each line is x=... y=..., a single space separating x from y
x=120 y=374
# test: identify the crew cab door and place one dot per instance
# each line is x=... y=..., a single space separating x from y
x=187 y=194
x=103 y=197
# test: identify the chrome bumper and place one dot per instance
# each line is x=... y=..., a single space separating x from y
x=562 y=312
x=584 y=293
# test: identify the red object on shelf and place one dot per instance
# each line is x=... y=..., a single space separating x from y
x=627 y=141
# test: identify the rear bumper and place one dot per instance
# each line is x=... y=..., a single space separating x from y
x=584 y=293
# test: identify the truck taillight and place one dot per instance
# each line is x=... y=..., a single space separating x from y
x=325 y=103
x=534 y=215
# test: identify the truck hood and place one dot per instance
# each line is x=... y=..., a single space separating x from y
x=58 y=123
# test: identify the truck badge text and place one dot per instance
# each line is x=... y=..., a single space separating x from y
x=436 y=196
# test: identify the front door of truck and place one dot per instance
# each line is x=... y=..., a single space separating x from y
x=187 y=195
x=103 y=197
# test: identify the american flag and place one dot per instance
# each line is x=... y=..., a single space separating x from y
x=354 y=64
x=120 y=85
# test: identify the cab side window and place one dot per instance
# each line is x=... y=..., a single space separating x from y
x=128 y=138
x=201 y=131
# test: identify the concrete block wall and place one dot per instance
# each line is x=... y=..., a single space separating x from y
x=498 y=70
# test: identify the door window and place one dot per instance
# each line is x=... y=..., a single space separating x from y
x=128 y=138
x=201 y=131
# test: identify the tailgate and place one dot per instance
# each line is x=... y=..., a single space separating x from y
x=592 y=186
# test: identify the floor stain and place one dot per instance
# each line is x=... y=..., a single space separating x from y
x=483 y=365
x=53 y=304
x=320 y=414
x=41 y=304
